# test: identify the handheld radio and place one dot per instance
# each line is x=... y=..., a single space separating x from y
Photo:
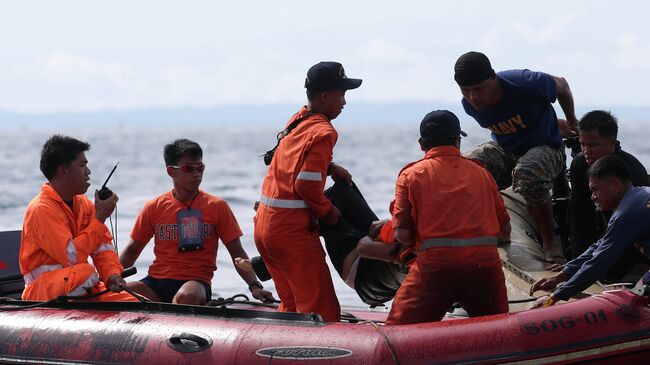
x=104 y=192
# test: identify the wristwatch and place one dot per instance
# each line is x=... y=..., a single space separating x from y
x=549 y=302
x=255 y=283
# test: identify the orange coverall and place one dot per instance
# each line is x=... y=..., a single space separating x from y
x=453 y=207
x=286 y=232
x=56 y=243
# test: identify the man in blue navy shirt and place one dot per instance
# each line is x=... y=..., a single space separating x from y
x=629 y=226
x=526 y=148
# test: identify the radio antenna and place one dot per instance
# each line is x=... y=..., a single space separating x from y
x=111 y=174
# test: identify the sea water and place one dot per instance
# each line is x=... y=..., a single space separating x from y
x=373 y=154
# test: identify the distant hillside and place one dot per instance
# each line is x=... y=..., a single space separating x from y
x=361 y=113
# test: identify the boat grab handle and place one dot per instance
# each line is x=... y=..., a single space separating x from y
x=189 y=342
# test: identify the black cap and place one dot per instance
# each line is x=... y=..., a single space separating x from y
x=326 y=76
x=440 y=125
x=472 y=68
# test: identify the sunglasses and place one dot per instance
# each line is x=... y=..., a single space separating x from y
x=190 y=168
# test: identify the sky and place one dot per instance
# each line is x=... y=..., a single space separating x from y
x=89 y=56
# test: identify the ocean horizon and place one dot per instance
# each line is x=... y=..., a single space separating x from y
x=374 y=154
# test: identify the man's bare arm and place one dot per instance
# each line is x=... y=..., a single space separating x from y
x=565 y=99
x=131 y=252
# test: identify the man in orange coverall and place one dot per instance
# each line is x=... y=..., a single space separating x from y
x=449 y=210
x=62 y=228
x=286 y=232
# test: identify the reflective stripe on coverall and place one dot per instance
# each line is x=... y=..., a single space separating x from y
x=455 y=211
x=56 y=243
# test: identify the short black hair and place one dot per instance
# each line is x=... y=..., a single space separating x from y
x=311 y=94
x=610 y=166
x=601 y=121
x=58 y=151
x=428 y=143
x=180 y=148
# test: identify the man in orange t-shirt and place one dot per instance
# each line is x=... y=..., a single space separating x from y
x=286 y=231
x=186 y=224
x=62 y=228
x=449 y=210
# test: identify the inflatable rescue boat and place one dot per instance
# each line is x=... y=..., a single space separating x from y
x=605 y=327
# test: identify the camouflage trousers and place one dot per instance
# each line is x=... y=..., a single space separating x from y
x=530 y=174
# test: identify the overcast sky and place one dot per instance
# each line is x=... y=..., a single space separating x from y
x=77 y=56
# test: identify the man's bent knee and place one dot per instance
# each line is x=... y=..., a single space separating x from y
x=493 y=158
x=62 y=281
x=83 y=270
x=534 y=197
x=532 y=183
x=143 y=289
x=192 y=293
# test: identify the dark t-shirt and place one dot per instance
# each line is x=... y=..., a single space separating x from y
x=524 y=118
x=628 y=227
x=587 y=225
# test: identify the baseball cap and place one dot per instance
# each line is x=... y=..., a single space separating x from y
x=472 y=68
x=325 y=76
x=440 y=125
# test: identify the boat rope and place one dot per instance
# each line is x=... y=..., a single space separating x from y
x=351 y=318
x=140 y=298
x=219 y=302
x=391 y=349
x=114 y=231
x=212 y=303
x=510 y=301
x=67 y=298
x=59 y=299
x=525 y=300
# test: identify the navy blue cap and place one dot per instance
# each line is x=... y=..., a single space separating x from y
x=440 y=125
x=326 y=76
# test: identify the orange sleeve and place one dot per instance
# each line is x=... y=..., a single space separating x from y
x=106 y=261
x=386 y=234
x=401 y=206
x=143 y=228
x=310 y=181
x=227 y=226
x=47 y=229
